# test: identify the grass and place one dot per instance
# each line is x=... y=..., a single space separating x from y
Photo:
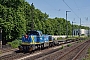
x=62 y=47
x=88 y=57
x=15 y=43
x=68 y=45
x=60 y=38
x=0 y=52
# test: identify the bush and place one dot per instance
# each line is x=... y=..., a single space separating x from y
x=82 y=34
x=88 y=56
x=69 y=45
x=62 y=47
x=60 y=38
x=15 y=43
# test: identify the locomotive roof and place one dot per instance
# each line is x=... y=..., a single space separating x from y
x=34 y=32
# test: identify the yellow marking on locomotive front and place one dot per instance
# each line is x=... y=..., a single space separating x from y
x=35 y=43
x=24 y=43
x=32 y=37
x=50 y=41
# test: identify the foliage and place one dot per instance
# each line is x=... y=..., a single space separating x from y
x=68 y=45
x=82 y=34
x=0 y=52
x=62 y=47
x=88 y=56
x=12 y=19
x=15 y=43
x=60 y=38
x=18 y=16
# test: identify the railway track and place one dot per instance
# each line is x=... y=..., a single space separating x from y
x=73 y=53
x=7 y=48
x=78 y=54
x=42 y=53
x=32 y=56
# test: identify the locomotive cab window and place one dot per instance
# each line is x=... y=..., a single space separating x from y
x=33 y=33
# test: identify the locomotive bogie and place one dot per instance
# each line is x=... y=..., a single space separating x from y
x=46 y=44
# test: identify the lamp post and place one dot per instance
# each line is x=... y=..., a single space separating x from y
x=80 y=28
x=72 y=27
x=67 y=24
x=0 y=37
x=88 y=31
x=58 y=12
x=32 y=16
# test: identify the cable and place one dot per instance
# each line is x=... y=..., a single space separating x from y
x=51 y=6
x=78 y=8
x=71 y=9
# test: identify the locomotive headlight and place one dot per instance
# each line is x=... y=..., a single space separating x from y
x=26 y=36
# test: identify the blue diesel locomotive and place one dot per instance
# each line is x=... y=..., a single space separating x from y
x=35 y=40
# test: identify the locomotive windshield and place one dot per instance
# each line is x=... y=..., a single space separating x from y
x=33 y=33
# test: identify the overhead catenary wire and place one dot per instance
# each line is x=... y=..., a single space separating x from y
x=71 y=9
x=78 y=8
x=51 y=6
x=86 y=18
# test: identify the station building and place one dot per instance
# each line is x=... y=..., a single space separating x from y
x=81 y=32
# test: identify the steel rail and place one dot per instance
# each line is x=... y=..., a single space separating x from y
x=60 y=57
x=76 y=56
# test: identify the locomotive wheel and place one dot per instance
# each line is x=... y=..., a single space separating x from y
x=20 y=48
x=31 y=49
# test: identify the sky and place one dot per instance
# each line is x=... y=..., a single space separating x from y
x=57 y=8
